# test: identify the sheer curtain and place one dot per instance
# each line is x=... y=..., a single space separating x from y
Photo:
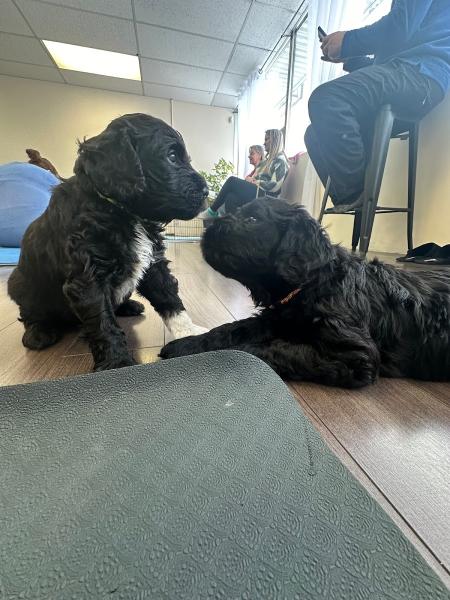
x=331 y=15
x=256 y=113
x=257 y=105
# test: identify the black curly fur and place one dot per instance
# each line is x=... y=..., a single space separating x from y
x=351 y=321
x=78 y=260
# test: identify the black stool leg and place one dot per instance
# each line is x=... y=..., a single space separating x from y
x=374 y=173
x=412 y=170
x=356 y=230
x=325 y=199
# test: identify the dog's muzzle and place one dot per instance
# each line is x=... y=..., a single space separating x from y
x=197 y=198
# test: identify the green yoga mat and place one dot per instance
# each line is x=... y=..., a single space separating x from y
x=195 y=478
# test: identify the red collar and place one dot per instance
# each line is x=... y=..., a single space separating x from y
x=287 y=298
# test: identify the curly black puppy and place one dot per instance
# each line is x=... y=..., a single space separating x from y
x=100 y=239
x=326 y=315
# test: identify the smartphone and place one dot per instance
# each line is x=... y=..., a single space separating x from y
x=321 y=33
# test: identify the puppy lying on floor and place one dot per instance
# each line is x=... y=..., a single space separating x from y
x=326 y=315
x=100 y=239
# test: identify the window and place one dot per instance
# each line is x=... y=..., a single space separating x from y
x=277 y=72
x=300 y=62
x=281 y=101
x=297 y=114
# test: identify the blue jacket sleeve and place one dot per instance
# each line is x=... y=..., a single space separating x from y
x=400 y=24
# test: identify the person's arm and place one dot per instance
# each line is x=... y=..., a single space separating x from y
x=272 y=181
x=357 y=62
x=400 y=24
x=351 y=64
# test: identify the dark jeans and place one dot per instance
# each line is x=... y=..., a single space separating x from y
x=343 y=113
x=234 y=193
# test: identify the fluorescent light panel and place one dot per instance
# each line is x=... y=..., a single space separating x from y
x=92 y=60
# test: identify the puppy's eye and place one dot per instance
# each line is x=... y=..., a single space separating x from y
x=172 y=156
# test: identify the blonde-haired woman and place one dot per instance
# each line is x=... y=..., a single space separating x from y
x=266 y=180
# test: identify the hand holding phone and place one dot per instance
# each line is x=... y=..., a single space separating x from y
x=332 y=46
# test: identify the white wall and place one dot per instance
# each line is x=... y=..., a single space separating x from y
x=50 y=117
x=432 y=211
x=208 y=132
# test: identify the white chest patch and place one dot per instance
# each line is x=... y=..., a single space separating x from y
x=143 y=249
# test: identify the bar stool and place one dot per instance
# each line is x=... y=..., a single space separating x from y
x=386 y=122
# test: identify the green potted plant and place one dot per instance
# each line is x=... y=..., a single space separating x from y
x=217 y=177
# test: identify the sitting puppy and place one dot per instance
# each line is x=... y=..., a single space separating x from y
x=100 y=239
x=326 y=315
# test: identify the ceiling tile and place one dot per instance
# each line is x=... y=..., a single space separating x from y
x=102 y=82
x=115 y=8
x=30 y=71
x=264 y=26
x=11 y=19
x=225 y=101
x=155 y=71
x=215 y=18
x=155 y=42
x=231 y=84
x=183 y=94
x=246 y=60
x=61 y=24
x=292 y=5
x=23 y=49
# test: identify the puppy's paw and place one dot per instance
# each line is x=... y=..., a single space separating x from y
x=197 y=329
x=181 y=347
x=130 y=308
x=181 y=326
x=38 y=336
x=114 y=363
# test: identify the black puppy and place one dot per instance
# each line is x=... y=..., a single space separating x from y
x=100 y=238
x=326 y=315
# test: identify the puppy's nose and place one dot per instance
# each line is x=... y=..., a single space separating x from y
x=205 y=192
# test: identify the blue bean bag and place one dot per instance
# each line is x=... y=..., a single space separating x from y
x=25 y=192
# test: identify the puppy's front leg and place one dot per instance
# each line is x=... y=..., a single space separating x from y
x=106 y=339
x=160 y=288
x=349 y=360
x=231 y=335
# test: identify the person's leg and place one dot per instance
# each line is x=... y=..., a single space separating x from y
x=233 y=201
x=344 y=110
x=315 y=151
x=232 y=188
x=315 y=154
x=220 y=198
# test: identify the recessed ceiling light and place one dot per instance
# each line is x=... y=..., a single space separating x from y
x=92 y=60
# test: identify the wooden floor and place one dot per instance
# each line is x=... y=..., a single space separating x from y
x=393 y=436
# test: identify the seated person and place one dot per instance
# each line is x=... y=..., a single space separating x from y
x=255 y=156
x=411 y=71
x=266 y=180
x=25 y=192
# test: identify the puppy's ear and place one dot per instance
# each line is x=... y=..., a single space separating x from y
x=305 y=246
x=112 y=164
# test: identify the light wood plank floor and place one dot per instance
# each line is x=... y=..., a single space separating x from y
x=393 y=436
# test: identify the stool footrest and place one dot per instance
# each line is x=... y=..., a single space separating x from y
x=392 y=209
x=379 y=209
